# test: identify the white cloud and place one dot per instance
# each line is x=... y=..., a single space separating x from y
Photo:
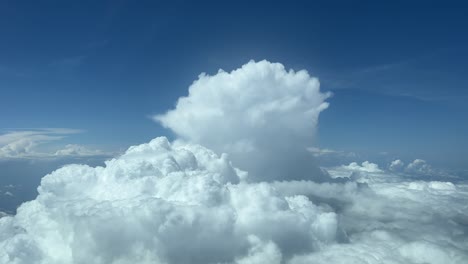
x=391 y=219
x=23 y=143
x=419 y=166
x=44 y=134
x=396 y=165
x=180 y=202
x=163 y=203
x=363 y=173
x=366 y=166
x=317 y=152
x=78 y=151
x=261 y=252
x=263 y=116
x=325 y=152
x=28 y=144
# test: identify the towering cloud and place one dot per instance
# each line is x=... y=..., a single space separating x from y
x=263 y=116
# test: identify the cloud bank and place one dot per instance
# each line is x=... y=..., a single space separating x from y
x=29 y=144
x=182 y=202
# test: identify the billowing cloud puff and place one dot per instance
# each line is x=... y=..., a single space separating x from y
x=360 y=173
x=263 y=116
x=366 y=166
x=419 y=166
x=162 y=203
x=396 y=165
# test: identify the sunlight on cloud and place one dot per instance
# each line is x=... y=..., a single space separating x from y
x=200 y=199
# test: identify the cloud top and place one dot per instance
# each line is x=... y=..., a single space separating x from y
x=244 y=111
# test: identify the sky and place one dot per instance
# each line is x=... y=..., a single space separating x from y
x=397 y=70
x=237 y=132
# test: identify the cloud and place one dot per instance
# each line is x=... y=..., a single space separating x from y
x=243 y=111
x=390 y=219
x=419 y=166
x=317 y=152
x=363 y=173
x=366 y=166
x=168 y=203
x=22 y=143
x=27 y=144
x=396 y=165
x=182 y=202
x=331 y=158
x=325 y=152
x=78 y=151
x=261 y=252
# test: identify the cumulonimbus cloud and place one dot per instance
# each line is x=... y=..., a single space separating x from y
x=181 y=202
x=262 y=115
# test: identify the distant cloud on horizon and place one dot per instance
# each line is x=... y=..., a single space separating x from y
x=31 y=144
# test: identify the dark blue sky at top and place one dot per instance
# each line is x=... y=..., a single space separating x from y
x=398 y=69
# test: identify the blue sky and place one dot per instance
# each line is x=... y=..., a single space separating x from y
x=397 y=70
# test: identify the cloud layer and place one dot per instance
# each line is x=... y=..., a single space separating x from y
x=182 y=202
x=27 y=144
x=165 y=202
